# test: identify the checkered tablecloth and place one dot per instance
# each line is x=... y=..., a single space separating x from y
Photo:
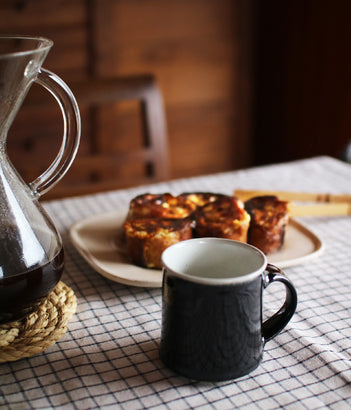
x=109 y=356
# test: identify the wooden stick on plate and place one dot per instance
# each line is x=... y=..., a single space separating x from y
x=294 y=196
x=327 y=204
x=320 y=209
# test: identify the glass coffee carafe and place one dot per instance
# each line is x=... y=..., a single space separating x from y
x=31 y=253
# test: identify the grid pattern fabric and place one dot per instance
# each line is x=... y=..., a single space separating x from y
x=109 y=356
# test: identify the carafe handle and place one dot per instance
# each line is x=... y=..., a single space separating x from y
x=71 y=132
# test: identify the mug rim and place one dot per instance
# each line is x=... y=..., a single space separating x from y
x=215 y=281
x=45 y=44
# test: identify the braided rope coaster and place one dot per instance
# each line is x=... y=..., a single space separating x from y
x=40 y=329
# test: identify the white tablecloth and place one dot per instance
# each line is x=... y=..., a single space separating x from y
x=109 y=356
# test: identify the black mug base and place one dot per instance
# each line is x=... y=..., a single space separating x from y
x=203 y=375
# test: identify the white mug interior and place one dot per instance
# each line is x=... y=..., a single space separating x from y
x=214 y=260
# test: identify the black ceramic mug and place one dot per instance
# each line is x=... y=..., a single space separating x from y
x=212 y=326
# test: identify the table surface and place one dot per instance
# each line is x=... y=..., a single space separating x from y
x=109 y=355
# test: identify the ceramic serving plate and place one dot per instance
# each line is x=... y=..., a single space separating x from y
x=97 y=239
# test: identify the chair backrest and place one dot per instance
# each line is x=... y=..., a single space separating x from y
x=154 y=153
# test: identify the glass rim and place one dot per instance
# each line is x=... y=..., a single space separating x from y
x=44 y=44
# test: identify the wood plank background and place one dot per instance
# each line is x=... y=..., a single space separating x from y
x=199 y=51
x=245 y=82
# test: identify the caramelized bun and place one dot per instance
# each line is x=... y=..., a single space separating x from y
x=160 y=206
x=146 y=239
x=223 y=218
x=201 y=198
x=269 y=219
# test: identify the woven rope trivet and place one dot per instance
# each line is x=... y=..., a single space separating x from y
x=39 y=330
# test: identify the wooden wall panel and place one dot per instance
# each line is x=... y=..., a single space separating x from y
x=200 y=52
x=63 y=21
x=193 y=49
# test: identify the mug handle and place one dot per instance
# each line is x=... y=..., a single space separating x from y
x=276 y=323
x=71 y=132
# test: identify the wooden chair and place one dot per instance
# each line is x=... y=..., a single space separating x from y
x=95 y=94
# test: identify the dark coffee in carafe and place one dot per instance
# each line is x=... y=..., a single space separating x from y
x=21 y=294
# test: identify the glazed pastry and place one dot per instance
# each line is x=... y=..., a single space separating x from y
x=146 y=239
x=160 y=206
x=269 y=219
x=201 y=198
x=223 y=218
